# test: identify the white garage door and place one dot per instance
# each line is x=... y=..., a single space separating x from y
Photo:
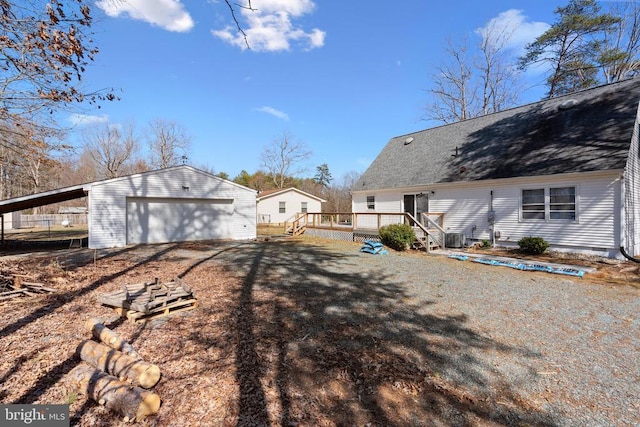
x=157 y=220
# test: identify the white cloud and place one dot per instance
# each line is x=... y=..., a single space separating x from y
x=514 y=29
x=269 y=27
x=276 y=113
x=84 y=119
x=167 y=14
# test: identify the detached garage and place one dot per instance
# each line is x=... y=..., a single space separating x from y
x=169 y=205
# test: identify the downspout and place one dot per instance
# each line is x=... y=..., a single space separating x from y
x=623 y=220
x=493 y=223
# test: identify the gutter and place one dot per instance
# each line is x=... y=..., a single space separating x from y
x=623 y=213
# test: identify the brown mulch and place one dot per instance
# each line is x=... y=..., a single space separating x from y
x=250 y=354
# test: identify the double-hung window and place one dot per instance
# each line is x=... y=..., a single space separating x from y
x=282 y=207
x=303 y=207
x=371 y=202
x=551 y=203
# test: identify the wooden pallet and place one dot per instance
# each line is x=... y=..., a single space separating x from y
x=169 y=309
x=143 y=301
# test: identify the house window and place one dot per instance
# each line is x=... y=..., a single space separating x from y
x=562 y=203
x=282 y=207
x=371 y=202
x=533 y=204
x=303 y=207
x=549 y=203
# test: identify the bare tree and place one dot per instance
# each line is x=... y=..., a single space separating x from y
x=453 y=89
x=112 y=149
x=168 y=143
x=620 y=48
x=499 y=77
x=283 y=158
x=468 y=86
x=44 y=50
x=339 y=195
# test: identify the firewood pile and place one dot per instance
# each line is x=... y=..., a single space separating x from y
x=146 y=301
x=113 y=374
x=15 y=285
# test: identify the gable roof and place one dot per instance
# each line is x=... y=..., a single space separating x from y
x=590 y=130
x=81 y=190
x=272 y=193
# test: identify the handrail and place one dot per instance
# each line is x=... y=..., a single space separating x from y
x=429 y=220
x=295 y=225
x=441 y=238
x=424 y=229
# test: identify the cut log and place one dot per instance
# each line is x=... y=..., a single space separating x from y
x=118 y=364
x=110 y=338
x=133 y=403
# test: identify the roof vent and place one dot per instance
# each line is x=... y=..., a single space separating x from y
x=569 y=103
x=408 y=141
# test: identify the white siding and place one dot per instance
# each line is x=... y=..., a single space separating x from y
x=598 y=203
x=632 y=195
x=385 y=202
x=108 y=201
x=269 y=207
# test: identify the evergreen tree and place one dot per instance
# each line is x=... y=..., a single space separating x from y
x=323 y=176
x=570 y=47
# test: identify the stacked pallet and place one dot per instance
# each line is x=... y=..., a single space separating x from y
x=146 y=301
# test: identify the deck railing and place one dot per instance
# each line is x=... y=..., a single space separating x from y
x=431 y=229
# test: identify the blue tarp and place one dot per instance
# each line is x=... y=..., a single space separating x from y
x=522 y=265
x=373 y=247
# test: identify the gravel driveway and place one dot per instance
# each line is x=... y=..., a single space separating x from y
x=398 y=339
x=568 y=350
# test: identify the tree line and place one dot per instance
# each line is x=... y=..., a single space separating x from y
x=46 y=46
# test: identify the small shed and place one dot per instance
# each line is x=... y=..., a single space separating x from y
x=282 y=205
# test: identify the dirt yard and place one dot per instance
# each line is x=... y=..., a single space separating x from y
x=302 y=332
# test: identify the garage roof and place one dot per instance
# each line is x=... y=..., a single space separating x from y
x=41 y=199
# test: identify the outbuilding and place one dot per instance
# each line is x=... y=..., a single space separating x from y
x=175 y=204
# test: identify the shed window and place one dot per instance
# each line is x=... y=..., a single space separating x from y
x=371 y=202
x=303 y=207
x=282 y=207
x=556 y=203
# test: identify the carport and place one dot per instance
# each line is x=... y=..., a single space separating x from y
x=40 y=199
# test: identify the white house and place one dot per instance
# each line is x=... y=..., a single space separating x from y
x=175 y=204
x=565 y=169
x=279 y=206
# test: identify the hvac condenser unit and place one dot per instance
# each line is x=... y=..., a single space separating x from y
x=454 y=240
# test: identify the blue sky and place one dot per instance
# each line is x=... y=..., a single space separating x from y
x=342 y=77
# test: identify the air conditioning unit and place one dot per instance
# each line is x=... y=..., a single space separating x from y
x=454 y=240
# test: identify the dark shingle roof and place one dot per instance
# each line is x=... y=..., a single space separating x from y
x=585 y=131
